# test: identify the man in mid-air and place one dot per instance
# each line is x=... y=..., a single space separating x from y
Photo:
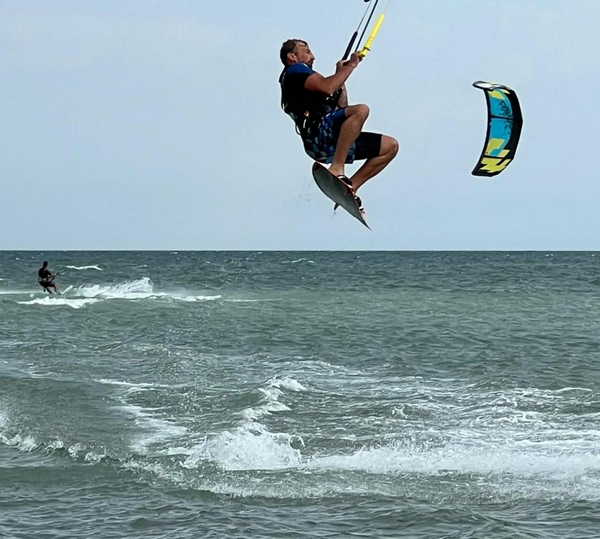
x=330 y=128
x=46 y=278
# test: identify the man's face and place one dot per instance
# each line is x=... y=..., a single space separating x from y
x=302 y=54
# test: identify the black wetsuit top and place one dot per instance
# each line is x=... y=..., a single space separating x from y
x=45 y=276
x=303 y=106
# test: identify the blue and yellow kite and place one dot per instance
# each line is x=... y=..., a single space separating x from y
x=503 y=131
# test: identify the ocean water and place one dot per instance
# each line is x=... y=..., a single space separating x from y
x=300 y=394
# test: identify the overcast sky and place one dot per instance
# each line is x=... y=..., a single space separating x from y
x=146 y=124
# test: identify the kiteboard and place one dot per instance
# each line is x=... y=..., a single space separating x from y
x=338 y=191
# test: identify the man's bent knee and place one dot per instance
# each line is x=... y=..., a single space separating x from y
x=389 y=146
x=362 y=111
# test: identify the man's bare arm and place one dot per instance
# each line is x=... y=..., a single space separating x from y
x=327 y=85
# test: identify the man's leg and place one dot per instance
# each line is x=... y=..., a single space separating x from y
x=372 y=167
x=356 y=116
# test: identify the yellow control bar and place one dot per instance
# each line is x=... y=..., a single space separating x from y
x=367 y=47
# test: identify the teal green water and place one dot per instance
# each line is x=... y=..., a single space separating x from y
x=300 y=394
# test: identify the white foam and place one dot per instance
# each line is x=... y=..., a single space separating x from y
x=94 y=458
x=270 y=401
x=298 y=260
x=248 y=300
x=60 y=302
x=56 y=444
x=272 y=405
x=22 y=443
x=568 y=389
x=16 y=292
x=137 y=387
x=136 y=290
x=75 y=449
x=156 y=429
x=250 y=447
x=192 y=298
x=287 y=383
x=26 y=443
x=166 y=473
x=80 y=268
x=400 y=458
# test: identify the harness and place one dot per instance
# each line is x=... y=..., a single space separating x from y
x=307 y=120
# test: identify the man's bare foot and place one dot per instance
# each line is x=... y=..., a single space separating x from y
x=337 y=170
x=348 y=182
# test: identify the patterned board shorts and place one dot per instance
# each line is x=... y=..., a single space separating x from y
x=321 y=140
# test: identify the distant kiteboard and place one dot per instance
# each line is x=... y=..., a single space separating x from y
x=338 y=191
x=503 y=130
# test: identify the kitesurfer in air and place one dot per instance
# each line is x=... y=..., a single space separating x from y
x=46 y=278
x=330 y=128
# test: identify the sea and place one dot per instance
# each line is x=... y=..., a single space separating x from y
x=181 y=394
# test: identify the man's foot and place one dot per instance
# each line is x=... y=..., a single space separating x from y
x=345 y=179
x=336 y=170
x=360 y=206
x=358 y=201
x=348 y=182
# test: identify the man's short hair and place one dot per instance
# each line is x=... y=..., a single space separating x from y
x=287 y=47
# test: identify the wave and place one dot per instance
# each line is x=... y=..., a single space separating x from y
x=270 y=395
x=154 y=429
x=249 y=447
x=298 y=260
x=86 y=294
x=139 y=386
x=135 y=290
x=29 y=444
x=17 y=441
x=233 y=300
x=29 y=291
x=395 y=469
x=401 y=457
x=138 y=289
x=26 y=443
x=286 y=383
x=79 y=268
x=60 y=302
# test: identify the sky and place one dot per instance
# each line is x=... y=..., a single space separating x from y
x=147 y=124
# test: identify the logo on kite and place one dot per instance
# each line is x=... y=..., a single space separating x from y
x=503 y=130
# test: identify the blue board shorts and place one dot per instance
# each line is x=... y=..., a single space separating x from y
x=321 y=140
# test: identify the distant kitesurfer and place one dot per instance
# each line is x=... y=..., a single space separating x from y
x=330 y=128
x=46 y=278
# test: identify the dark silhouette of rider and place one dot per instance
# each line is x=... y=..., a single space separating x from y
x=46 y=278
